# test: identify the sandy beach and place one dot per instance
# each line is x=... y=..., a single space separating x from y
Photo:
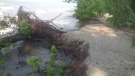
x=110 y=50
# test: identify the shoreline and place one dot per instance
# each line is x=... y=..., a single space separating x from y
x=110 y=50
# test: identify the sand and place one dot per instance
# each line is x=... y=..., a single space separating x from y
x=110 y=50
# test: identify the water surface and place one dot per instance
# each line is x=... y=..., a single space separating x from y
x=45 y=9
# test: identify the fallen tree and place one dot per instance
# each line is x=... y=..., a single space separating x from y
x=39 y=28
x=76 y=50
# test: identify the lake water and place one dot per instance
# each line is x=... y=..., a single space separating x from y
x=44 y=9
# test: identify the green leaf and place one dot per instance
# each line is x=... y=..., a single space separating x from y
x=24 y=28
x=53 y=48
x=50 y=63
x=53 y=56
x=7 y=74
x=1 y=61
x=16 y=74
x=33 y=61
x=133 y=42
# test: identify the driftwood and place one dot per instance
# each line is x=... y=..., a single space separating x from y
x=75 y=49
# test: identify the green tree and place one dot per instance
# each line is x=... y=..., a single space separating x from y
x=123 y=14
x=122 y=11
x=88 y=8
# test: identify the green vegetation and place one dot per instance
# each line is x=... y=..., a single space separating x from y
x=8 y=74
x=133 y=42
x=69 y=1
x=122 y=11
x=53 y=56
x=5 y=74
x=34 y=61
x=89 y=8
x=6 y=51
x=1 y=61
x=51 y=69
x=123 y=15
x=24 y=28
x=53 y=48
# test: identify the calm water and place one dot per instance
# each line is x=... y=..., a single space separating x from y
x=45 y=9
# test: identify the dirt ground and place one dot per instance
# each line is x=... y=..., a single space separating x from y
x=110 y=50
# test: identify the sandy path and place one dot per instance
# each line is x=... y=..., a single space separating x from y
x=110 y=50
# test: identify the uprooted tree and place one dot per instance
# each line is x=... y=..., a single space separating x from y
x=33 y=28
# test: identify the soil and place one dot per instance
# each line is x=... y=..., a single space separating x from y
x=111 y=53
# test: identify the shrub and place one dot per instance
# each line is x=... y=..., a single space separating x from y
x=34 y=61
x=24 y=28
x=88 y=8
x=123 y=14
x=51 y=69
x=53 y=48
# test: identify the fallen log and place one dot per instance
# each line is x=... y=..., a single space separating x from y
x=40 y=29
